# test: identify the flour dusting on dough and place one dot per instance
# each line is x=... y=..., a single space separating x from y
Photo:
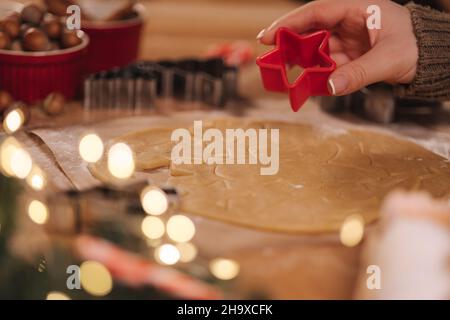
x=341 y=172
x=331 y=131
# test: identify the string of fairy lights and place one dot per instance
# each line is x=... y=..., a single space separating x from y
x=170 y=235
x=179 y=229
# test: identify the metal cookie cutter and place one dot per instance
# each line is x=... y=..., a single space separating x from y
x=311 y=52
x=137 y=86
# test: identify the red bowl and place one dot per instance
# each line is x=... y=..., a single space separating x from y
x=115 y=43
x=32 y=76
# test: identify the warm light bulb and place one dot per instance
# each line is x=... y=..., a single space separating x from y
x=224 y=269
x=7 y=149
x=21 y=163
x=167 y=254
x=121 y=161
x=91 y=148
x=352 y=230
x=95 y=278
x=180 y=228
x=13 y=121
x=153 y=228
x=154 y=201
x=36 y=179
x=38 y=212
x=55 y=295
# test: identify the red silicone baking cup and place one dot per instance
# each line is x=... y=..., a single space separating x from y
x=32 y=76
x=114 y=44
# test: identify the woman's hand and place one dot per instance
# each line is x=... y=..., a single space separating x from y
x=363 y=56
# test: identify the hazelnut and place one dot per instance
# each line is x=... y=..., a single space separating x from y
x=35 y=40
x=5 y=40
x=10 y=26
x=52 y=26
x=5 y=100
x=70 y=39
x=32 y=14
x=54 y=104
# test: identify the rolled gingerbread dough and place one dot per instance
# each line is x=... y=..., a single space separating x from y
x=323 y=177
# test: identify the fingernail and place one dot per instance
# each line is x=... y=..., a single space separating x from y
x=337 y=84
x=273 y=25
x=261 y=34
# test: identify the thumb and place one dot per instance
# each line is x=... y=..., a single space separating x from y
x=367 y=69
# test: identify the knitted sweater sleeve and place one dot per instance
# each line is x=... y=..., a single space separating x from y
x=432 y=30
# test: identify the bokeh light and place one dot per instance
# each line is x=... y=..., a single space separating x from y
x=152 y=227
x=8 y=147
x=167 y=254
x=154 y=201
x=224 y=269
x=38 y=212
x=352 y=230
x=14 y=160
x=180 y=228
x=91 y=148
x=56 y=295
x=21 y=163
x=95 y=278
x=36 y=179
x=188 y=252
x=121 y=161
x=13 y=121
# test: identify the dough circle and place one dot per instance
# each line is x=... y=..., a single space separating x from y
x=323 y=176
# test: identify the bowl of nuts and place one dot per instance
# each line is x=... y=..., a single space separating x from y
x=39 y=55
x=114 y=28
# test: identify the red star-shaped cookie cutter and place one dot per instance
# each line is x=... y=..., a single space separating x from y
x=311 y=52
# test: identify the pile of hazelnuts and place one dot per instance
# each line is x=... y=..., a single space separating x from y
x=35 y=29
